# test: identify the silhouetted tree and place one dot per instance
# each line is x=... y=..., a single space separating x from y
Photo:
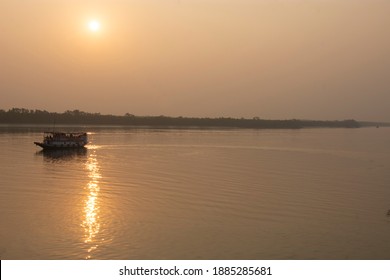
x=26 y=116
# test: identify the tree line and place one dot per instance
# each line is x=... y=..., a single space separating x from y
x=77 y=117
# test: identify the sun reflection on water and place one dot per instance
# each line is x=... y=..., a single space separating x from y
x=91 y=221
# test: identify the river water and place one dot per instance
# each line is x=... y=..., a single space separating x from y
x=144 y=193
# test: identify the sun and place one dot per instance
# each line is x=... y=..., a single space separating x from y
x=94 y=25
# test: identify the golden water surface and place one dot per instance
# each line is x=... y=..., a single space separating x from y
x=197 y=194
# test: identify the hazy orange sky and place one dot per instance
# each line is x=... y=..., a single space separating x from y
x=275 y=59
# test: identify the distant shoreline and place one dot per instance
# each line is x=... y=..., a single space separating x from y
x=33 y=117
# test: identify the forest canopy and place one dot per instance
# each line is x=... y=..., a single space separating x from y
x=77 y=117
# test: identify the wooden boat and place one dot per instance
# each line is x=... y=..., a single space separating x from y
x=63 y=140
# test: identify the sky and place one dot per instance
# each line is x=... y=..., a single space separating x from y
x=273 y=59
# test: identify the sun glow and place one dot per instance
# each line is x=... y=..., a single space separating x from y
x=94 y=25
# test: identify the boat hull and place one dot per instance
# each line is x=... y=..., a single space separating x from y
x=59 y=147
